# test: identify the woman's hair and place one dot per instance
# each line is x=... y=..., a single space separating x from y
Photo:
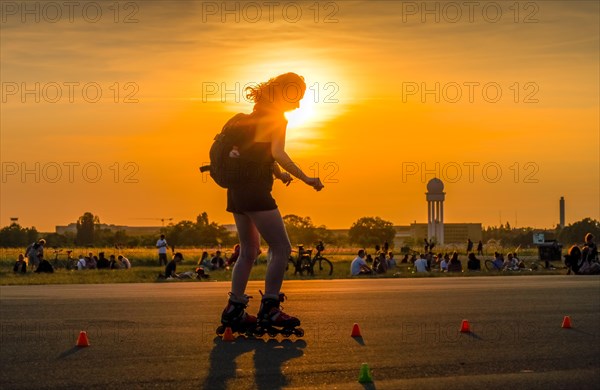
x=471 y=256
x=575 y=252
x=589 y=237
x=290 y=85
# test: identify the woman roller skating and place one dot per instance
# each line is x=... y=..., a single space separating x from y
x=255 y=211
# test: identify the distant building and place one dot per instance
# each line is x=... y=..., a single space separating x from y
x=454 y=233
x=130 y=230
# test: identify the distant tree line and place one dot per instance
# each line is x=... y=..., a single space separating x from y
x=569 y=235
x=365 y=232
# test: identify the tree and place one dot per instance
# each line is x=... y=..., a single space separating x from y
x=85 y=229
x=15 y=236
x=575 y=232
x=202 y=232
x=371 y=231
x=300 y=230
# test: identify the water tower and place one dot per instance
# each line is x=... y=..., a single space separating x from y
x=435 y=210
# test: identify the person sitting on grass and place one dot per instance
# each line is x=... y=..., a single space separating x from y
x=582 y=262
x=421 y=264
x=510 y=264
x=91 y=262
x=590 y=250
x=444 y=263
x=20 y=265
x=498 y=262
x=236 y=253
x=454 y=265
x=81 y=263
x=201 y=274
x=103 y=262
x=359 y=265
x=171 y=268
x=217 y=261
x=114 y=263
x=473 y=264
x=125 y=263
x=380 y=263
x=204 y=261
x=391 y=263
x=44 y=267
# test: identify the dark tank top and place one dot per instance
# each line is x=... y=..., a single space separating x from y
x=256 y=158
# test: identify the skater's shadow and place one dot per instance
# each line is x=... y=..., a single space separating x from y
x=269 y=356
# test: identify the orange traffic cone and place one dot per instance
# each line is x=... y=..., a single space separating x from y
x=465 y=327
x=355 y=331
x=228 y=335
x=82 y=340
x=566 y=322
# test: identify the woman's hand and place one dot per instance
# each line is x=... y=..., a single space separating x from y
x=315 y=183
x=286 y=178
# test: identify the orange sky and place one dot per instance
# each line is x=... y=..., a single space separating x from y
x=362 y=123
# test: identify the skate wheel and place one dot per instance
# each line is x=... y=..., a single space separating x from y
x=273 y=333
x=287 y=332
x=259 y=332
x=220 y=330
x=299 y=332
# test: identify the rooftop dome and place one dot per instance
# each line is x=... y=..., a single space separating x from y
x=435 y=186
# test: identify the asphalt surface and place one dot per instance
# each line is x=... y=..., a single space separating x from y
x=162 y=335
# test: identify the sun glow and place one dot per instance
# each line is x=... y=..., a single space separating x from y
x=307 y=114
x=326 y=90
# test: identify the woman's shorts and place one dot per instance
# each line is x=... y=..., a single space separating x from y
x=250 y=198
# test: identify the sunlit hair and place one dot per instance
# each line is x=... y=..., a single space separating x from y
x=589 y=237
x=574 y=252
x=290 y=85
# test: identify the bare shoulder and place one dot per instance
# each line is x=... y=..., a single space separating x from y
x=268 y=128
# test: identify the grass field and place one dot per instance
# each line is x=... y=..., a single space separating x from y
x=145 y=268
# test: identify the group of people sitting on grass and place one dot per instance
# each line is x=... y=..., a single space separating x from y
x=581 y=261
x=219 y=260
x=365 y=264
x=92 y=261
x=171 y=270
x=33 y=260
x=206 y=262
x=584 y=260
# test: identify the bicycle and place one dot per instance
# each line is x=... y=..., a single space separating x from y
x=305 y=263
x=69 y=263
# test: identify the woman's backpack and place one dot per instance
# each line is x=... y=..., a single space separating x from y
x=226 y=152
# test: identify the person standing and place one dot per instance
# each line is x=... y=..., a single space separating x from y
x=161 y=244
x=469 y=245
x=35 y=253
x=480 y=248
x=254 y=210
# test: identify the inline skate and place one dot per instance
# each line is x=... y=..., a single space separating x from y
x=273 y=321
x=235 y=317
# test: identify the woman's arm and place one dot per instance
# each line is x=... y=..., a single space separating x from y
x=282 y=158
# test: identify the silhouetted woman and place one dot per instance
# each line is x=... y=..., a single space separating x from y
x=254 y=209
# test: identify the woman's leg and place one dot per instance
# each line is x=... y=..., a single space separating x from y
x=249 y=247
x=270 y=225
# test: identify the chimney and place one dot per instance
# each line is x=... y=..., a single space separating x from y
x=561 y=204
